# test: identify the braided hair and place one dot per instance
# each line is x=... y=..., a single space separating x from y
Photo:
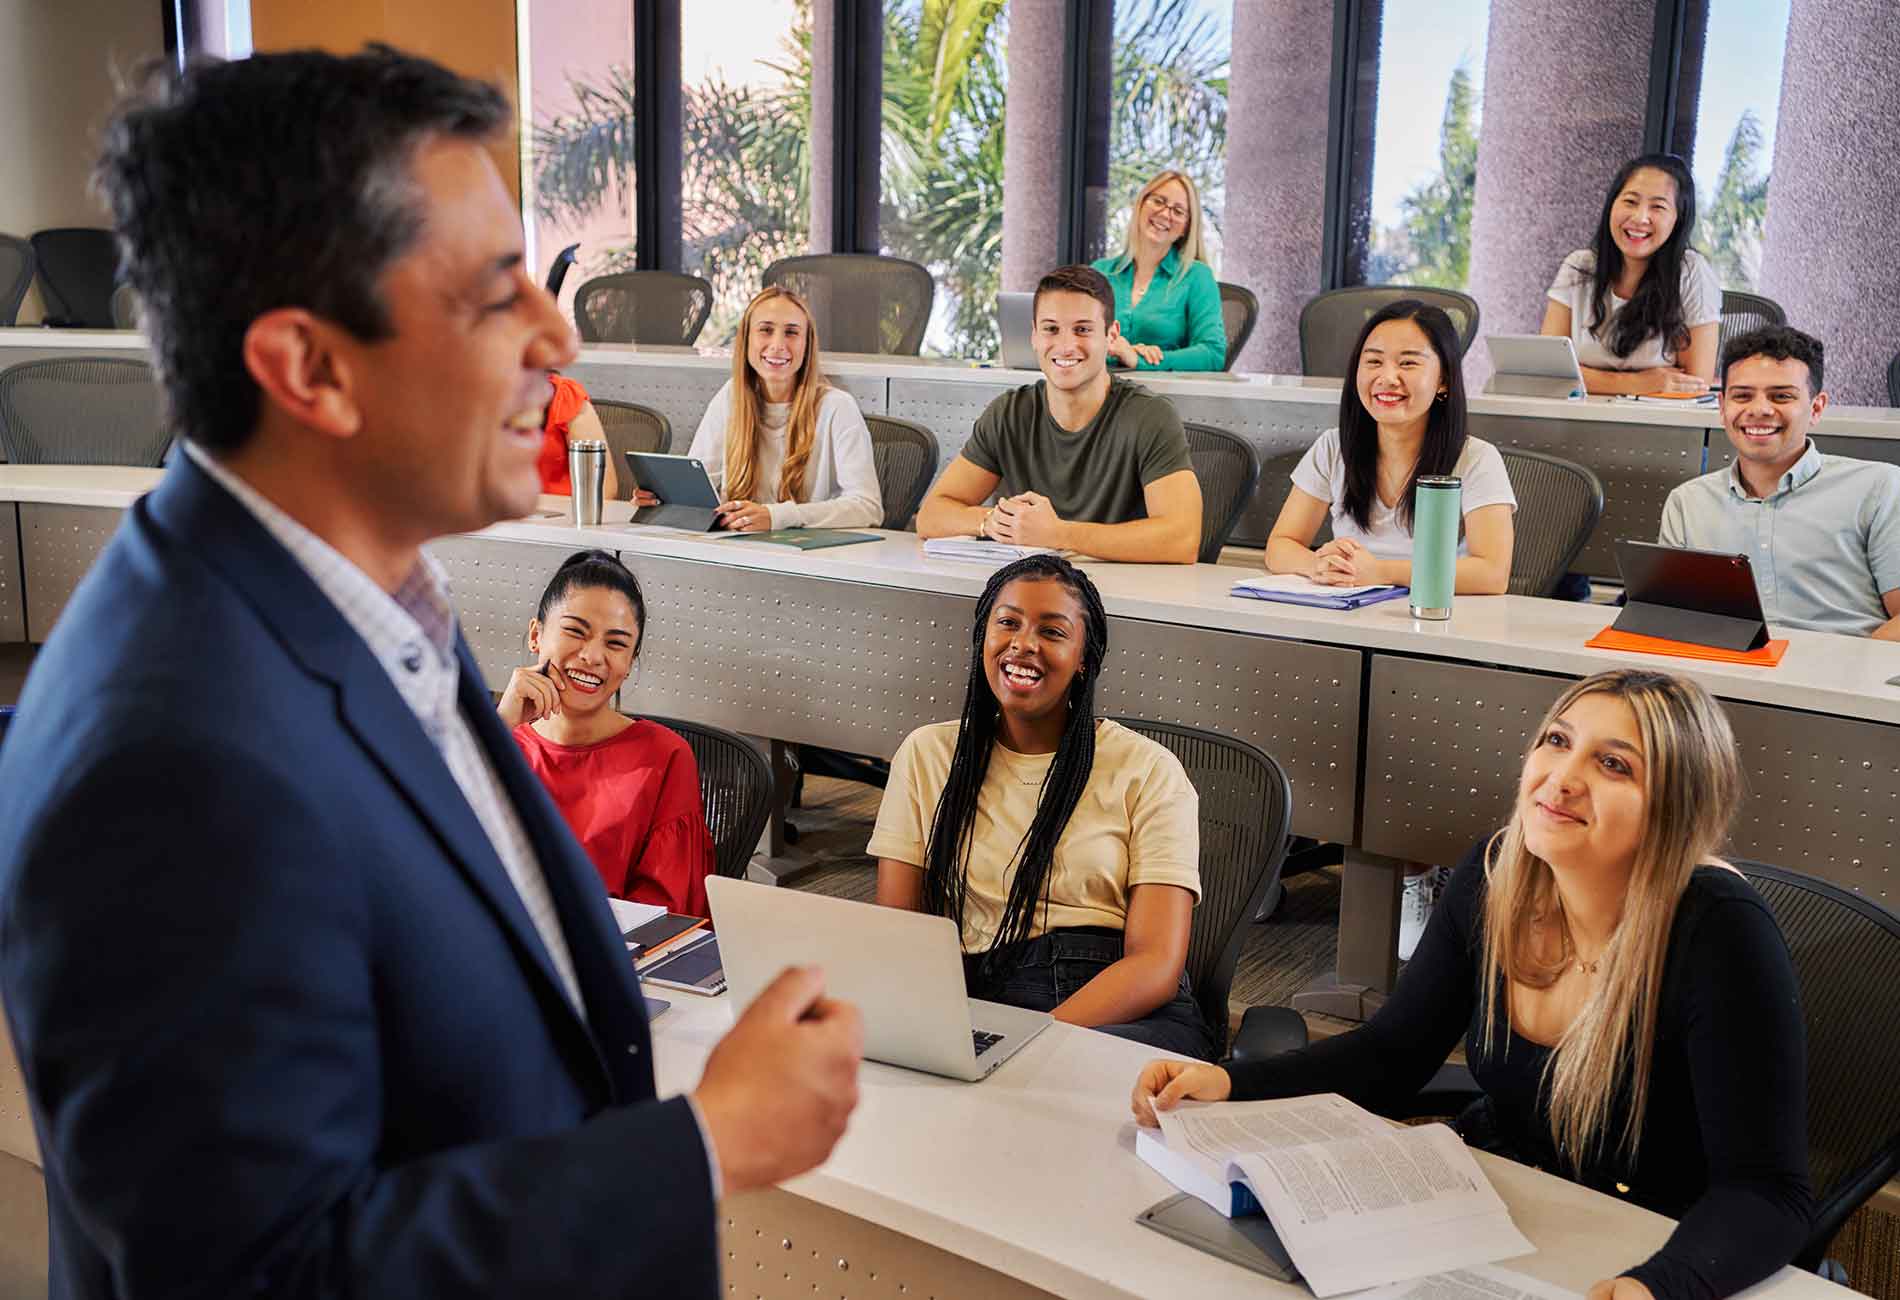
x=946 y=860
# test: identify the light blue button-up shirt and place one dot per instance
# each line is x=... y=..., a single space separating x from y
x=1824 y=544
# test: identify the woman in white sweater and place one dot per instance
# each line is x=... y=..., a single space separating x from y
x=783 y=447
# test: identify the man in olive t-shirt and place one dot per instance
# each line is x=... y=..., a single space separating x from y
x=1085 y=462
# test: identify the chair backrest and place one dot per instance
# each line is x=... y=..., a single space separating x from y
x=1893 y=381
x=1330 y=322
x=630 y=426
x=1239 y=309
x=1742 y=312
x=79 y=268
x=1846 y=952
x=1228 y=470
x=1246 y=812
x=557 y=273
x=735 y=784
x=17 y=264
x=906 y=456
x=861 y=302
x=81 y=411
x=1558 y=505
x=658 y=307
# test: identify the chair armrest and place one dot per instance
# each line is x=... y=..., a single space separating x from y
x=1268 y=1031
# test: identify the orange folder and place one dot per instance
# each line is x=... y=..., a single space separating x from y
x=1611 y=639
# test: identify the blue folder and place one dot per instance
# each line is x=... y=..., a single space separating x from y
x=1326 y=602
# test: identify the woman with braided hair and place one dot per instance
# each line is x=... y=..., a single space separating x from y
x=1066 y=847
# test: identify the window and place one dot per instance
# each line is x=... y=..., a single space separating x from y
x=1167 y=109
x=940 y=196
x=1424 y=166
x=1735 y=133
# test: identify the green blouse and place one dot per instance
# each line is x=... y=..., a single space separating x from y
x=1180 y=313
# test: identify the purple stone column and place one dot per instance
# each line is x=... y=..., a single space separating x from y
x=1276 y=168
x=1827 y=252
x=1032 y=142
x=824 y=116
x=1566 y=86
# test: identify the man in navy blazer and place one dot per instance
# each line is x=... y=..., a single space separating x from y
x=313 y=990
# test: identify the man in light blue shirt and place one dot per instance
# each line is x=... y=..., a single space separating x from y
x=1822 y=533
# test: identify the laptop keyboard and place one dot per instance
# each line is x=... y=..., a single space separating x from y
x=984 y=1041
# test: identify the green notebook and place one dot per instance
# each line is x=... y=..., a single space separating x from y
x=807 y=539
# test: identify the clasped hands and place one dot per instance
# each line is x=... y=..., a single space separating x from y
x=1344 y=562
x=1132 y=354
x=1027 y=519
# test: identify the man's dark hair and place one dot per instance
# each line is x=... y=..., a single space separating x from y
x=1078 y=279
x=1777 y=343
x=281 y=180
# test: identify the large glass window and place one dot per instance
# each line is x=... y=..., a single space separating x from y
x=940 y=196
x=1168 y=108
x=1735 y=133
x=1425 y=143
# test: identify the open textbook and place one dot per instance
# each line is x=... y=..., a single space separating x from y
x=1481 y=1283
x=1356 y=1201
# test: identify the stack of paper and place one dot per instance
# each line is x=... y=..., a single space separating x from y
x=985 y=549
x=1356 y=1201
x=1292 y=589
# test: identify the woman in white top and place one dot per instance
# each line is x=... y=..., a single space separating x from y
x=782 y=446
x=1642 y=307
x=1401 y=418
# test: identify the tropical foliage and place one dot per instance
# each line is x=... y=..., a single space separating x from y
x=1431 y=244
x=1729 y=224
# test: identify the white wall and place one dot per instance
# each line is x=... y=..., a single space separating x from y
x=56 y=85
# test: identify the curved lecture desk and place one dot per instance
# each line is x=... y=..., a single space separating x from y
x=1027 y=1184
x=1402 y=739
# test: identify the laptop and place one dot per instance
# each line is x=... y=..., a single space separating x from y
x=902 y=970
x=687 y=498
x=1016 y=325
x=1534 y=365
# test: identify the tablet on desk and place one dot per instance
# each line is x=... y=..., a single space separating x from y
x=687 y=497
x=1534 y=365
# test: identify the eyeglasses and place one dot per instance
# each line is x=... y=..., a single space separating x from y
x=1174 y=210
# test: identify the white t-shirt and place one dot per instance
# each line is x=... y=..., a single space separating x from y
x=841 y=488
x=1321 y=473
x=1575 y=288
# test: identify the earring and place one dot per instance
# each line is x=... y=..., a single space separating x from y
x=1441 y=395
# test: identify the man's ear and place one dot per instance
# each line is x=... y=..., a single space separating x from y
x=295 y=358
x=1114 y=330
x=1820 y=405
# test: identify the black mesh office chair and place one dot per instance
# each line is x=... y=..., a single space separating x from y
x=562 y=264
x=1558 y=505
x=735 y=784
x=81 y=411
x=1893 y=381
x=1330 y=322
x=16 y=276
x=1742 y=312
x=906 y=456
x=861 y=302
x=657 y=307
x=79 y=268
x=1239 y=311
x=1246 y=807
x=630 y=426
x=1228 y=471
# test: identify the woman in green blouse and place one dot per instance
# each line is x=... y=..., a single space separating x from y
x=1166 y=298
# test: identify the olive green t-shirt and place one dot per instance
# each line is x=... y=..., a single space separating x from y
x=1094 y=475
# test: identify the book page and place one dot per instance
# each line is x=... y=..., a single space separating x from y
x=1225 y=1131
x=1294 y=584
x=1484 y=1282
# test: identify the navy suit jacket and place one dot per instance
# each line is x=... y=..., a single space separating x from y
x=285 y=1023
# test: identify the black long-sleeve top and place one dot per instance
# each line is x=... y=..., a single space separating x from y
x=1724 y=1135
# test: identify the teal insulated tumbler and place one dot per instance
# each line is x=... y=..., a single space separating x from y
x=1435 y=516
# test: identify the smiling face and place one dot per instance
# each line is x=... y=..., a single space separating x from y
x=1768 y=407
x=593 y=637
x=1163 y=216
x=1643 y=214
x=450 y=407
x=1399 y=375
x=1071 y=339
x=775 y=345
x=1581 y=798
x=1033 y=646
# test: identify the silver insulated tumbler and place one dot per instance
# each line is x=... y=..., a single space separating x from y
x=587 y=474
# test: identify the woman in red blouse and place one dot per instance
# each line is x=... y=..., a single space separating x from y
x=629 y=789
x=570 y=415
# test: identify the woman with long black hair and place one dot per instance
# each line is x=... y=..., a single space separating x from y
x=1065 y=846
x=1643 y=308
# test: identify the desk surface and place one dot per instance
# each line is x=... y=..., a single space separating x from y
x=1032 y=1172
x=1822 y=673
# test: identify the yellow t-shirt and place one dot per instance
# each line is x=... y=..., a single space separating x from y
x=1137 y=823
